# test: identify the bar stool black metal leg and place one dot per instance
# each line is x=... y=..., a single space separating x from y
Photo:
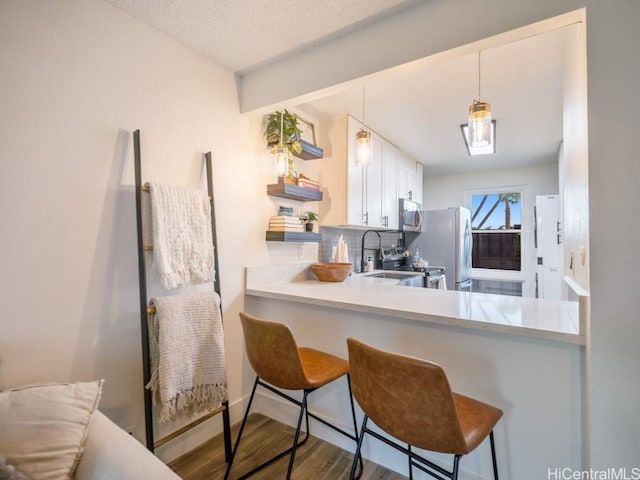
x=226 y=426
x=355 y=426
x=410 y=463
x=291 y=450
x=244 y=421
x=493 y=456
x=303 y=411
x=456 y=463
x=357 y=453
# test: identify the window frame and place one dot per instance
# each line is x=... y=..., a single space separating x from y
x=526 y=232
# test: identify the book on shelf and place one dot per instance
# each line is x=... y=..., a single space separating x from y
x=285 y=228
x=294 y=223
x=285 y=218
x=285 y=211
x=310 y=186
x=282 y=225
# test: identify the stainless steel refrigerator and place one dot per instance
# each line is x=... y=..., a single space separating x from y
x=446 y=241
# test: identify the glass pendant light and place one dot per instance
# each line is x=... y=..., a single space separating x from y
x=363 y=143
x=281 y=158
x=479 y=133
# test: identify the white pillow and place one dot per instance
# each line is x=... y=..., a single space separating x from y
x=43 y=428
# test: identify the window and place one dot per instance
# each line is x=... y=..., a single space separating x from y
x=496 y=225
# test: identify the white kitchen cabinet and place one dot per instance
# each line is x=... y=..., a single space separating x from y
x=389 y=191
x=409 y=178
x=357 y=196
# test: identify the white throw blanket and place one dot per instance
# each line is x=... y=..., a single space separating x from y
x=187 y=355
x=182 y=238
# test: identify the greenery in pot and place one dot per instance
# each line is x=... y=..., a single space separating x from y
x=309 y=218
x=290 y=135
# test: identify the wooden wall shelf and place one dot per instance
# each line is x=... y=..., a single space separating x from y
x=293 y=237
x=309 y=151
x=294 y=192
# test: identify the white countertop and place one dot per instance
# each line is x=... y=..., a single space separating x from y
x=538 y=318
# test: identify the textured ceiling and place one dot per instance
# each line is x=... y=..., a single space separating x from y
x=241 y=34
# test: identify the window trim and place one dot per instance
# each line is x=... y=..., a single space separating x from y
x=526 y=231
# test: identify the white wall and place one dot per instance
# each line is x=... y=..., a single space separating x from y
x=78 y=76
x=613 y=67
x=446 y=191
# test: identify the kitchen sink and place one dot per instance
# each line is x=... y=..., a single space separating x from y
x=394 y=275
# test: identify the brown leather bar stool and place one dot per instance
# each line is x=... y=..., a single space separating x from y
x=279 y=363
x=411 y=400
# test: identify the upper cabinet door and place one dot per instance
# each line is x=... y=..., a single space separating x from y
x=389 y=188
x=409 y=178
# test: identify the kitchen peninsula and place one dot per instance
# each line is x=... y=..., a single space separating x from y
x=523 y=355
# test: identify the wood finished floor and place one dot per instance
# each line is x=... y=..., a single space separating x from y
x=262 y=438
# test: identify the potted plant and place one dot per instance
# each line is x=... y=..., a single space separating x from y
x=285 y=136
x=309 y=218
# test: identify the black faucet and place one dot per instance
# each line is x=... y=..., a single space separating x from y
x=362 y=263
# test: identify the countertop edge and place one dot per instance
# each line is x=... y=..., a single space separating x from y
x=527 y=332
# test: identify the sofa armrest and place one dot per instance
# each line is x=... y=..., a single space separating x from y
x=111 y=453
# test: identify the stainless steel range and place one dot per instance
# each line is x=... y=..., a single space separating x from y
x=394 y=258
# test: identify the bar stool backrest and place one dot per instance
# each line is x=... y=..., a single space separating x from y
x=407 y=397
x=273 y=353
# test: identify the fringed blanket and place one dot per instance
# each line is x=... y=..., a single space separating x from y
x=187 y=355
x=182 y=237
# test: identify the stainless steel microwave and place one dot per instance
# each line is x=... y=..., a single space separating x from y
x=409 y=216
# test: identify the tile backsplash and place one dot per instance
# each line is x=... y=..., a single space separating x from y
x=353 y=237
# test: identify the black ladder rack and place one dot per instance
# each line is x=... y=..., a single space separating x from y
x=144 y=312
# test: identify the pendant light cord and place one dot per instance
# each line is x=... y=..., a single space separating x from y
x=479 y=76
x=281 y=128
x=363 y=124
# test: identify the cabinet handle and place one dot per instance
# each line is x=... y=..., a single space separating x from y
x=385 y=219
x=410 y=195
x=365 y=217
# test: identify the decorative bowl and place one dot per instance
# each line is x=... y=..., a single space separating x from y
x=332 y=272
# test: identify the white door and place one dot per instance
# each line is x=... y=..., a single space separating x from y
x=548 y=245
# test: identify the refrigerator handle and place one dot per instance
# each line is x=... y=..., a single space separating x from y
x=535 y=227
x=470 y=236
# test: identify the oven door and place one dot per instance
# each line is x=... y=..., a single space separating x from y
x=409 y=216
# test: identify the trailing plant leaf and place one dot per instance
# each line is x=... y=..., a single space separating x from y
x=290 y=135
x=290 y=131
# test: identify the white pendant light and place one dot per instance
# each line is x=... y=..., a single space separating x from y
x=363 y=143
x=479 y=122
x=281 y=155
